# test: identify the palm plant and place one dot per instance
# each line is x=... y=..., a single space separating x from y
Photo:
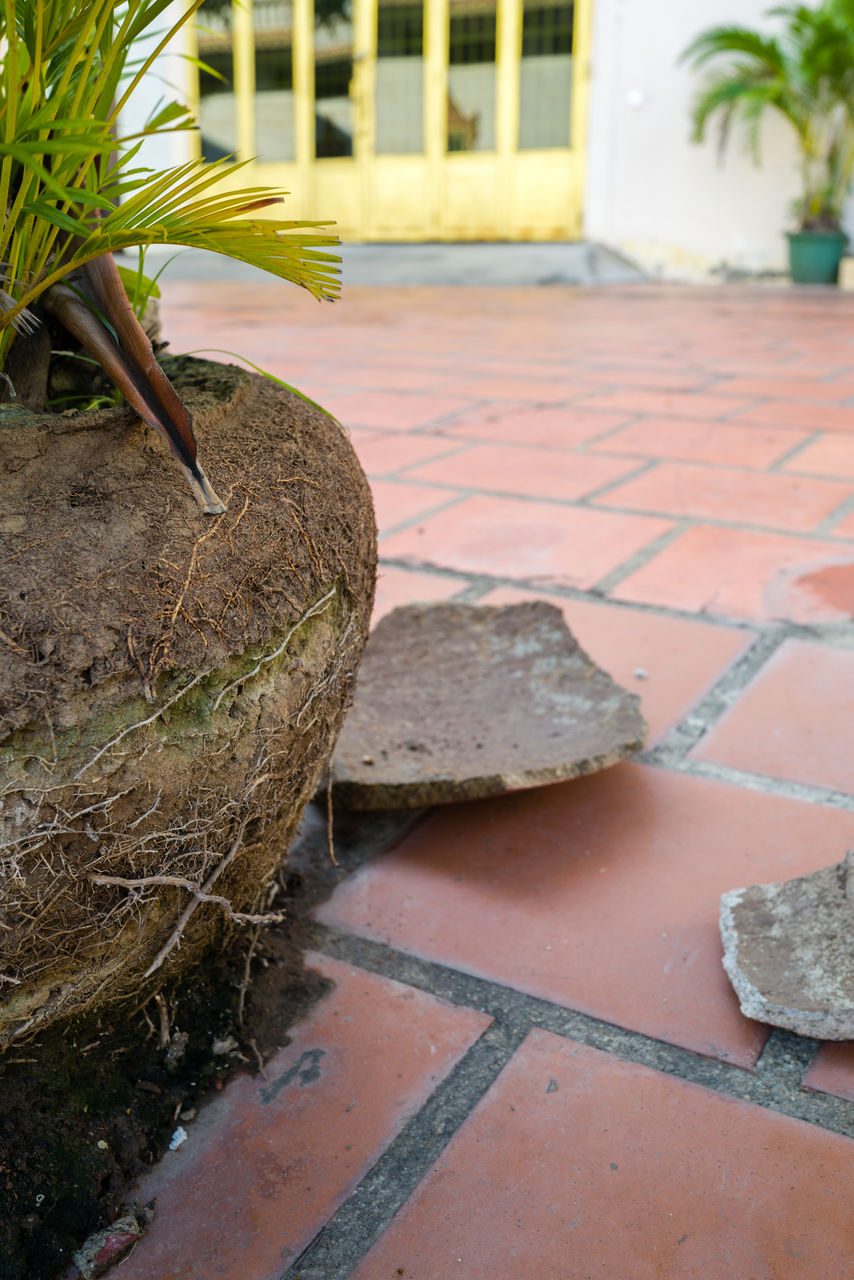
x=74 y=194
x=806 y=74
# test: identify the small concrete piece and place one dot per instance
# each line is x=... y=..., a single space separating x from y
x=789 y=951
x=458 y=701
x=105 y=1248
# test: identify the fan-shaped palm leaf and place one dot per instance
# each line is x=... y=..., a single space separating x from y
x=806 y=74
x=72 y=194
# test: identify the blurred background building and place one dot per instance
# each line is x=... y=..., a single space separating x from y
x=485 y=120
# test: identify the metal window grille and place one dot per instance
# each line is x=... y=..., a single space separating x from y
x=546 y=29
x=400 y=31
x=472 y=38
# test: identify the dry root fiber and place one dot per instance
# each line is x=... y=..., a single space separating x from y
x=171 y=685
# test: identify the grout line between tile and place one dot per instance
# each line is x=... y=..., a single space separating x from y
x=713 y=522
x=642 y=557
x=779 y=463
x=472 y=593
x=803 y=791
x=453 y=500
x=825 y=526
x=343 y=1242
x=836 y=634
x=350 y=1233
x=642 y=466
x=449 y=449
x=681 y=460
x=594 y=595
x=724 y=693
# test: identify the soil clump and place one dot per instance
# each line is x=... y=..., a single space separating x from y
x=171 y=684
x=87 y=1107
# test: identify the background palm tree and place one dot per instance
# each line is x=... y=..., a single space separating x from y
x=806 y=75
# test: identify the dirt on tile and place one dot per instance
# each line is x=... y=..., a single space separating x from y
x=89 y=1105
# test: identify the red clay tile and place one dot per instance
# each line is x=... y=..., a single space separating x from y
x=791 y=365
x=392 y=409
x=483 y=413
x=381 y=453
x=832 y=1071
x=265 y=1165
x=396 y=501
x=600 y=894
x=725 y=493
x=668 y=378
x=695 y=441
x=514 y=469
x=535 y=540
x=403 y=374
x=576 y=1164
x=679 y=658
x=826 y=456
x=560 y=427
x=784 y=388
x=793 y=721
x=809 y=417
x=743 y=574
x=669 y=403
x=407 y=586
x=536 y=387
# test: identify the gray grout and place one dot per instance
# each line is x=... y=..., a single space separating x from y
x=563 y=590
x=349 y=1234
x=642 y=557
x=717 y=700
x=825 y=527
x=587 y=503
x=780 y=462
x=775 y=1084
x=756 y=782
x=838 y=634
x=453 y=500
x=642 y=465
x=740 y=526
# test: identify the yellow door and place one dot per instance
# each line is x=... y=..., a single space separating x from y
x=445 y=119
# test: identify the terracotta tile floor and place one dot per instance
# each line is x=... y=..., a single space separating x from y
x=531 y=1064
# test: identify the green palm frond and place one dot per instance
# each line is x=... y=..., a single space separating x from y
x=763 y=51
x=70 y=183
x=805 y=74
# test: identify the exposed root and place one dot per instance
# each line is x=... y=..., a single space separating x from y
x=165 y=1029
x=329 y=815
x=239 y=917
x=168 y=696
x=142 y=724
x=318 y=607
x=247 y=970
x=174 y=938
x=262 y=1068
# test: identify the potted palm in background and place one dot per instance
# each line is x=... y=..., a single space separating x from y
x=172 y=675
x=806 y=75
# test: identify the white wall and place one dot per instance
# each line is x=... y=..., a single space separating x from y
x=166 y=82
x=670 y=204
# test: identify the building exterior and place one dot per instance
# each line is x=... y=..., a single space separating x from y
x=486 y=120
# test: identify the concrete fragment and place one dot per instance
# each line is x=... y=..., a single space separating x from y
x=105 y=1248
x=789 y=951
x=459 y=701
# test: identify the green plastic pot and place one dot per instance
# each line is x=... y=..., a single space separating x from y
x=814 y=256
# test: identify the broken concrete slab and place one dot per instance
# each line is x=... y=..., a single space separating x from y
x=789 y=951
x=458 y=701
